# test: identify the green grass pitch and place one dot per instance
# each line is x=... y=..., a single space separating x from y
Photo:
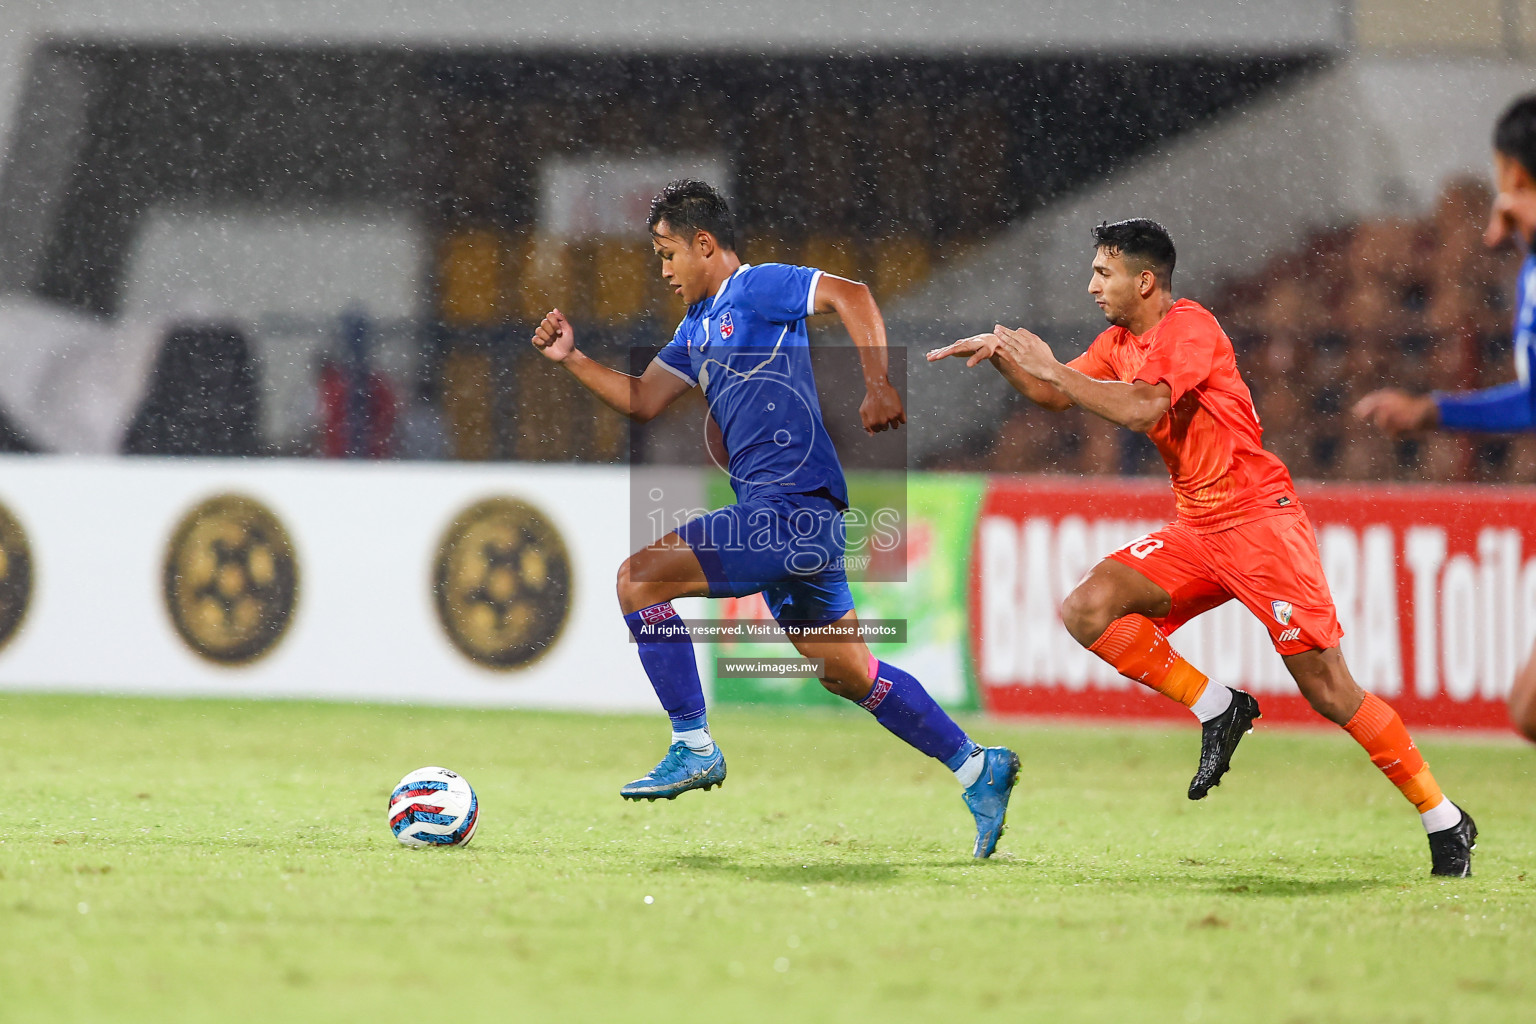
x=213 y=861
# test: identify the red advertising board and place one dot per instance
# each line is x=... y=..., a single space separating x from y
x=1435 y=588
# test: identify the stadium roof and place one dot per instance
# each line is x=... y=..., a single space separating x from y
x=954 y=26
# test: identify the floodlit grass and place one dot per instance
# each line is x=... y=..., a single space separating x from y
x=201 y=860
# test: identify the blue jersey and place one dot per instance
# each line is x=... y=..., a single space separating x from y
x=747 y=348
x=1509 y=406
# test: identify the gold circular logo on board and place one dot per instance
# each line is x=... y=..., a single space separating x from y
x=231 y=581
x=15 y=575
x=502 y=583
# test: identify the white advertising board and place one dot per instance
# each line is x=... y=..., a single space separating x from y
x=366 y=546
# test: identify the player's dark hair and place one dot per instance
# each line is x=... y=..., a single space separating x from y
x=689 y=205
x=1514 y=134
x=1144 y=241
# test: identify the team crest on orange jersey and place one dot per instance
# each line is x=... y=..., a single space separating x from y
x=1282 y=610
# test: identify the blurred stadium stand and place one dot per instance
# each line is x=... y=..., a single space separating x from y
x=363 y=191
x=1412 y=302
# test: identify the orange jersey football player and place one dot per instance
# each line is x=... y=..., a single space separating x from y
x=1166 y=369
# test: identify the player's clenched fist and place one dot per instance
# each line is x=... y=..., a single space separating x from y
x=881 y=409
x=555 y=336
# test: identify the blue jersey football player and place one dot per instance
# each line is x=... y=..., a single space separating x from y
x=1504 y=407
x=744 y=343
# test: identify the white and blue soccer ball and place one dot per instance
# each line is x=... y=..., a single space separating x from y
x=433 y=807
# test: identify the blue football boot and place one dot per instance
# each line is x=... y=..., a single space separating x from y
x=987 y=797
x=678 y=772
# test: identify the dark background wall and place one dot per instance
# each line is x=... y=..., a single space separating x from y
x=946 y=148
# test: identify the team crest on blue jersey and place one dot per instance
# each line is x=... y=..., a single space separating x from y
x=727 y=328
x=1282 y=610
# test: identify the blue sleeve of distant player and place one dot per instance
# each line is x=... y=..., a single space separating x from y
x=674 y=355
x=1506 y=406
x=781 y=294
x=1496 y=409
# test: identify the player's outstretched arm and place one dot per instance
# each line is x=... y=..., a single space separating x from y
x=989 y=347
x=1137 y=405
x=1395 y=411
x=852 y=302
x=1502 y=408
x=640 y=398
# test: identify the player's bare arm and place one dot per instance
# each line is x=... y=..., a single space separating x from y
x=1137 y=405
x=640 y=398
x=1134 y=294
x=989 y=347
x=1395 y=411
x=855 y=306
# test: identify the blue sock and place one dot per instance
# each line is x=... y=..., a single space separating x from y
x=666 y=651
x=900 y=703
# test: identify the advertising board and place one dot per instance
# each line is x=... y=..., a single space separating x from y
x=1435 y=589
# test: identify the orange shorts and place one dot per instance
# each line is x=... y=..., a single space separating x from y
x=1270 y=564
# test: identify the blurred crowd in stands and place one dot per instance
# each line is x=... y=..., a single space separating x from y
x=1419 y=304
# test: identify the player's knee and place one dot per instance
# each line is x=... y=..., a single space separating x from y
x=846 y=679
x=1087 y=613
x=631 y=591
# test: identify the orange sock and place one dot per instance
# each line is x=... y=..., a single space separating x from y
x=1378 y=729
x=1139 y=651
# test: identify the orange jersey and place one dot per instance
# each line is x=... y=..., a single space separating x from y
x=1210 y=437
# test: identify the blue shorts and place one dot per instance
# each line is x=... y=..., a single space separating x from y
x=789 y=546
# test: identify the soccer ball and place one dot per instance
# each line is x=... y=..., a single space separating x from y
x=433 y=807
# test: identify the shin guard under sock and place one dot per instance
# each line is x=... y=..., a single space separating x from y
x=1378 y=729
x=1139 y=650
x=666 y=651
x=900 y=703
